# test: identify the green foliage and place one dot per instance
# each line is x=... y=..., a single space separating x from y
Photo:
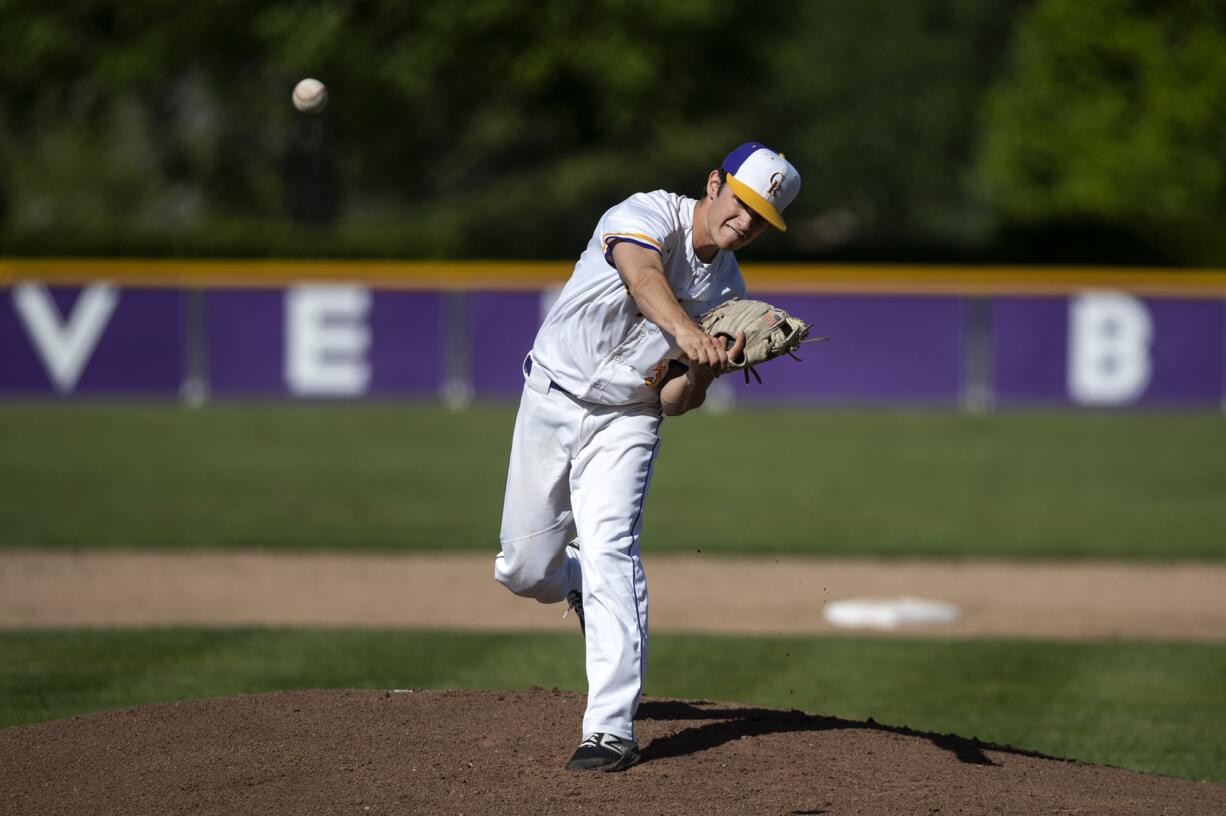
x=1158 y=707
x=481 y=122
x=881 y=97
x=490 y=129
x=404 y=477
x=1113 y=110
x=479 y=129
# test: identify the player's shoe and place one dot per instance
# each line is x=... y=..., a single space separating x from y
x=604 y=752
x=574 y=603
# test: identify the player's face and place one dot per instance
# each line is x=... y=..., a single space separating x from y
x=732 y=225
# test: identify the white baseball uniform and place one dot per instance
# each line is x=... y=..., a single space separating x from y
x=585 y=439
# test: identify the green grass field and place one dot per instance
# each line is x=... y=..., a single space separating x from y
x=416 y=477
x=398 y=477
x=1151 y=707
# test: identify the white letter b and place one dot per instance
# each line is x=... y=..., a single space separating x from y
x=1109 y=360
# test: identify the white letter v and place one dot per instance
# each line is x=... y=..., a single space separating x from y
x=65 y=349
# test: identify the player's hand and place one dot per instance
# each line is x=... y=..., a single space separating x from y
x=703 y=349
x=734 y=355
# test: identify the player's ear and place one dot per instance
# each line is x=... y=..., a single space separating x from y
x=713 y=184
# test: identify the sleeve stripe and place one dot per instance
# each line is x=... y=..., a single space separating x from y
x=611 y=238
x=635 y=238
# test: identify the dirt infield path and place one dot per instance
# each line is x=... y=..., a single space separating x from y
x=693 y=593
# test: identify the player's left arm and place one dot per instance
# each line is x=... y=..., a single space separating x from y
x=685 y=389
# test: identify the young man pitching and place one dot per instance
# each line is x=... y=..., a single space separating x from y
x=619 y=349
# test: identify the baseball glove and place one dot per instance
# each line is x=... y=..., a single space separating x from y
x=770 y=332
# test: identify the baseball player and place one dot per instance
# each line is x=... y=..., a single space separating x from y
x=619 y=350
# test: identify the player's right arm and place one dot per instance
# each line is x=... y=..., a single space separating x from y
x=642 y=271
x=685 y=388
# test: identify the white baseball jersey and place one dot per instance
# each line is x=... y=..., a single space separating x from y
x=594 y=343
x=586 y=436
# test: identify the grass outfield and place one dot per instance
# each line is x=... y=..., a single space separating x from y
x=1155 y=707
x=395 y=477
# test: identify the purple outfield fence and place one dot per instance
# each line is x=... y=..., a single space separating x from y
x=1094 y=348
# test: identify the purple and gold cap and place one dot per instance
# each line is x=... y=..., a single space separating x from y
x=763 y=180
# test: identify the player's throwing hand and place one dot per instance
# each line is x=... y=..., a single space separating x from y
x=703 y=349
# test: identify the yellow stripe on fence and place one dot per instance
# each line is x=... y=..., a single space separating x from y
x=276 y=273
x=525 y=275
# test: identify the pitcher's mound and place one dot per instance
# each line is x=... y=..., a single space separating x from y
x=487 y=752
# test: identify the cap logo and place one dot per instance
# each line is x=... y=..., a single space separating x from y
x=764 y=180
x=776 y=181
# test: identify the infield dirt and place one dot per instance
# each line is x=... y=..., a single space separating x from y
x=486 y=752
x=1066 y=600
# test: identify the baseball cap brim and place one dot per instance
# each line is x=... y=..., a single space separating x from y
x=754 y=201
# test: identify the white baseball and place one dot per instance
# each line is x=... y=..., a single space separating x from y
x=310 y=95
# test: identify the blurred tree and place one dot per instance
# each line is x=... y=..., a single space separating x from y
x=878 y=99
x=116 y=116
x=456 y=129
x=495 y=128
x=1114 y=112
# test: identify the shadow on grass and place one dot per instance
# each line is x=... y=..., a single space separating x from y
x=722 y=725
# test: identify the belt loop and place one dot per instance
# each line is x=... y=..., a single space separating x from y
x=538 y=380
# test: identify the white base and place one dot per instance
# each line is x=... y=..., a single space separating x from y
x=890 y=613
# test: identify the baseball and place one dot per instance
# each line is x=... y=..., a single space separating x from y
x=310 y=95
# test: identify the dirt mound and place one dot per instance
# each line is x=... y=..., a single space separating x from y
x=489 y=752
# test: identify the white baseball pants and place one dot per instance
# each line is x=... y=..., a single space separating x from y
x=581 y=467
